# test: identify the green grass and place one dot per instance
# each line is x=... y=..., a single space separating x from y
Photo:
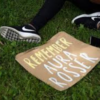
x=15 y=82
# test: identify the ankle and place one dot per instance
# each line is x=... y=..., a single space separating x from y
x=98 y=25
x=32 y=26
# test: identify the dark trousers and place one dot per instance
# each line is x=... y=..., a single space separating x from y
x=51 y=7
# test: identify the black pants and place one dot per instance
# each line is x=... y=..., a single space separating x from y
x=51 y=7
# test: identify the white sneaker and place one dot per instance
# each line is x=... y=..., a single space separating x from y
x=91 y=21
x=20 y=33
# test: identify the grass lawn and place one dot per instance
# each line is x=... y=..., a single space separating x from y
x=15 y=82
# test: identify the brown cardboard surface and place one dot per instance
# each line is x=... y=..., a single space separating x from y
x=61 y=62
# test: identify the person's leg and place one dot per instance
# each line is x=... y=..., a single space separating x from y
x=29 y=32
x=87 y=5
x=47 y=12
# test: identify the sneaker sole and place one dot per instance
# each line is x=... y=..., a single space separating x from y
x=86 y=15
x=12 y=34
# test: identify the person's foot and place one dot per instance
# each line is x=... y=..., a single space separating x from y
x=91 y=21
x=20 y=33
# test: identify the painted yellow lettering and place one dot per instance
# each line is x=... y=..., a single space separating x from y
x=40 y=56
x=35 y=60
x=27 y=61
x=63 y=40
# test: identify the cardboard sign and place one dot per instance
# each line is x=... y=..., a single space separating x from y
x=61 y=62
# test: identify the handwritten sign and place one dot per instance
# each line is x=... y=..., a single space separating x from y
x=61 y=62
